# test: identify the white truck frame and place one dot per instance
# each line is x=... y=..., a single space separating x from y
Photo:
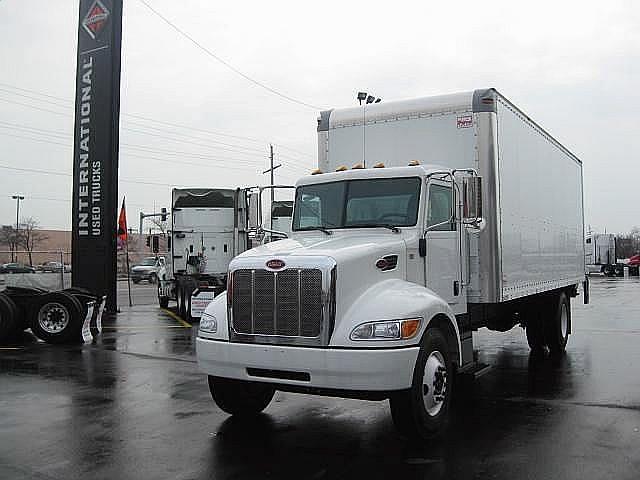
x=600 y=255
x=478 y=223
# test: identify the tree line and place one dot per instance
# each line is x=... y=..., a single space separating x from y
x=26 y=238
x=628 y=244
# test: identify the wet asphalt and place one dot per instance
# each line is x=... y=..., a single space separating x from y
x=134 y=405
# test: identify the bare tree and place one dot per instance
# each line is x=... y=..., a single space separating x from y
x=628 y=244
x=10 y=238
x=159 y=224
x=30 y=236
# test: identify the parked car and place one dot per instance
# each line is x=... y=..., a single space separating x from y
x=147 y=270
x=53 y=267
x=16 y=268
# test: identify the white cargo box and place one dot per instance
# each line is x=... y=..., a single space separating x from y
x=533 y=237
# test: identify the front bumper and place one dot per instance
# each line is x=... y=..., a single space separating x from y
x=361 y=369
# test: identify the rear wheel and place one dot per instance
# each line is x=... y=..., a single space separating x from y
x=9 y=321
x=56 y=317
x=239 y=397
x=559 y=323
x=422 y=411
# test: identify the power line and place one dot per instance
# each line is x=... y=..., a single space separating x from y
x=140 y=117
x=225 y=63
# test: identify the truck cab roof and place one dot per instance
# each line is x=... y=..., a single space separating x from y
x=370 y=173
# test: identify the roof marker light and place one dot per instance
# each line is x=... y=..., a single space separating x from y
x=413 y=163
x=357 y=166
x=341 y=168
x=317 y=171
x=379 y=165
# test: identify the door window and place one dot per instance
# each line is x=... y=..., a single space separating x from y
x=439 y=207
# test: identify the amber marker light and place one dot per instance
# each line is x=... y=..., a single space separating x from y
x=409 y=328
x=341 y=168
x=317 y=171
x=357 y=166
x=413 y=163
x=379 y=165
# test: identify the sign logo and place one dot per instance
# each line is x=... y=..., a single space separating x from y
x=96 y=19
x=275 y=264
x=465 y=121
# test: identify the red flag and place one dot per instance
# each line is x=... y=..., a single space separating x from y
x=122 y=225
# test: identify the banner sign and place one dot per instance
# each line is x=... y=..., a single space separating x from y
x=95 y=156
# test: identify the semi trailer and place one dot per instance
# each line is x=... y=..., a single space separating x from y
x=460 y=213
x=208 y=228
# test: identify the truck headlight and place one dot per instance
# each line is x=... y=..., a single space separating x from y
x=391 y=330
x=208 y=323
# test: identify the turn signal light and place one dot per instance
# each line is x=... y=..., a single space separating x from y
x=341 y=168
x=410 y=328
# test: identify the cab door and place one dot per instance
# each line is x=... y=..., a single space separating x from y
x=443 y=268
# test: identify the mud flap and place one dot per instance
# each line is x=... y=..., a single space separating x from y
x=87 y=336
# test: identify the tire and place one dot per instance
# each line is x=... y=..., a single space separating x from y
x=422 y=411
x=239 y=397
x=56 y=317
x=153 y=279
x=9 y=321
x=559 y=324
x=535 y=326
x=618 y=271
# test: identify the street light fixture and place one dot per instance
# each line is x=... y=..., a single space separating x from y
x=17 y=198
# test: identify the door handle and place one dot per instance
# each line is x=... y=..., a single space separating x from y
x=456 y=288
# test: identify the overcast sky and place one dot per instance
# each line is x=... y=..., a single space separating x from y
x=573 y=66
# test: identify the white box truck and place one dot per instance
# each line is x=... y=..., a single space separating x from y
x=209 y=228
x=461 y=213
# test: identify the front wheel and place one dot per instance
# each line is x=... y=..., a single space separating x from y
x=421 y=411
x=239 y=397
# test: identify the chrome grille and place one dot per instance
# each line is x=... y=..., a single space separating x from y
x=286 y=303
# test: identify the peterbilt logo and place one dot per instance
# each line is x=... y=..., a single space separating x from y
x=275 y=264
x=96 y=19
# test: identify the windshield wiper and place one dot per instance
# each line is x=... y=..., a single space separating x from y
x=393 y=228
x=321 y=228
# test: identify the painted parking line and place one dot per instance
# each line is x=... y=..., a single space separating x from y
x=176 y=318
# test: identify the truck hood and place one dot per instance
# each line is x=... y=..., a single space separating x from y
x=355 y=254
x=341 y=246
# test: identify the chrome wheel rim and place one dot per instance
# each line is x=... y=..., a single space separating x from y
x=434 y=383
x=564 y=320
x=53 y=317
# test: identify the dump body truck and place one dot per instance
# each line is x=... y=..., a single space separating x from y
x=460 y=213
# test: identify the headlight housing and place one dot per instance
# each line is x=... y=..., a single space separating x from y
x=387 y=330
x=208 y=323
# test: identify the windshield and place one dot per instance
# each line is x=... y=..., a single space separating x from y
x=357 y=203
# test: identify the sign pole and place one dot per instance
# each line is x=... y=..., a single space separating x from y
x=95 y=157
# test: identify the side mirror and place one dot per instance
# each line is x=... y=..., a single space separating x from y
x=472 y=199
x=254 y=220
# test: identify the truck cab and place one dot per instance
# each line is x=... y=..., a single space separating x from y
x=373 y=262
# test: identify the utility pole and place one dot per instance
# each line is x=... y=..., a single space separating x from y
x=271 y=170
x=17 y=198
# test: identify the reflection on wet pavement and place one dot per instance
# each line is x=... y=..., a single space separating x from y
x=134 y=405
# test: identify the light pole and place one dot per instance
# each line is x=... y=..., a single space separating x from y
x=366 y=98
x=17 y=198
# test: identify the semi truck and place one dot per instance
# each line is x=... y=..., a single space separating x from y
x=460 y=213
x=208 y=228
x=600 y=255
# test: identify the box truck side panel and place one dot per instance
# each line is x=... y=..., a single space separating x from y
x=540 y=211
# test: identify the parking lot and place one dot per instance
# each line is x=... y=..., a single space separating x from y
x=134 y=405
